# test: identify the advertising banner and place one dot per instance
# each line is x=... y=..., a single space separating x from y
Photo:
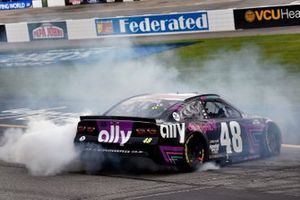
x=264 y=17
x=48 y=31
x=153 y=24
x=15 y=4
x=3 y=37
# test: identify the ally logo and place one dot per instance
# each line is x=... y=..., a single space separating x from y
x=173 y=131
x=114 y=134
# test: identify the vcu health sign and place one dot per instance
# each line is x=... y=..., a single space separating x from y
x=267 y=17
x=153 y=24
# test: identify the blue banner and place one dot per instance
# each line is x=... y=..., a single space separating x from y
x=153 y=24
x=15 y=4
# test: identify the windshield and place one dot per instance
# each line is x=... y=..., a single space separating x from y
x=141 y=107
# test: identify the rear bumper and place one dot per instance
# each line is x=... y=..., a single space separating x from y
x=162 y=155
x=122 y=152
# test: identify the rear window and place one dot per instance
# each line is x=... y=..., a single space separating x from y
x=141 y=107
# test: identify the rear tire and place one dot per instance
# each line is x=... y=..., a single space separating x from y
x=195 y=152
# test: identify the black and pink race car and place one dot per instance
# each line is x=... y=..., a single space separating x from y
x=181 y=130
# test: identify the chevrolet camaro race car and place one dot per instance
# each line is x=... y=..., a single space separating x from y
x=179 y=130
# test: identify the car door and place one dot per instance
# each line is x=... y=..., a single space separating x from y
x=228 y=139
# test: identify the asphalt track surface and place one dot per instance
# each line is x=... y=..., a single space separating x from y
x=272 y=178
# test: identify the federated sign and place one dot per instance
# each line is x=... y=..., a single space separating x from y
x=267 y=17
x=15 y=4
x=47 y=31
x=153 y=24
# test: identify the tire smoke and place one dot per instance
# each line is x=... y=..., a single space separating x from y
x=44 y=148
x=209 y=166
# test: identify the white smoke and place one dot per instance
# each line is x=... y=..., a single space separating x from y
x=208 y=166
x=255 y=85
x=44 y=148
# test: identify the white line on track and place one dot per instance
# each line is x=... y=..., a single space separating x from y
x=295 y=2
x=294 y=146
x=12 y=126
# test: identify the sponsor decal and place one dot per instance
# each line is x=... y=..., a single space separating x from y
x=211 y=125
x=214 y=146
x=153 y=24
x=250 y=16
x=267 y=17
x=119 y=151
x=47 y=31
x=271 y=14
x=173 y=131
x=105 y=27
x=176 y=116
x=118 y=133
x=256 y=122
x=147 y=140
x=82 y=138
x=171 y=154
x=15 y=4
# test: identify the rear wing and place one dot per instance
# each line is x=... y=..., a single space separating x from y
x=136 y=119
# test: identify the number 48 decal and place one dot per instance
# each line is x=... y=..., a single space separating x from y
x=235 y=141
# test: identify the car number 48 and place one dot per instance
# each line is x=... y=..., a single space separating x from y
x=234 y=142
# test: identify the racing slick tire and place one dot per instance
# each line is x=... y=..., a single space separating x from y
x=271 y=141
x=195 y=152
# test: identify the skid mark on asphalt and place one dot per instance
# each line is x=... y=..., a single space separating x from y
x=154 y=180
x=171 y=192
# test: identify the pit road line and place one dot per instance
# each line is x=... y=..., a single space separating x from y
x=13 y=126
x=294 y=146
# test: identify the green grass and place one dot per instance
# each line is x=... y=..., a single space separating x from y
x=284 y=49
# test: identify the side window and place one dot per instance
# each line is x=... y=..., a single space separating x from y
x=192 y=110
x=215 y=109
x=218 y=109
x=231 y=112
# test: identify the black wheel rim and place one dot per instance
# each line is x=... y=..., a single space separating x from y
x=272 y=142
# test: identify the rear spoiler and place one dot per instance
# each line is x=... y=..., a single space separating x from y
x=137 y=119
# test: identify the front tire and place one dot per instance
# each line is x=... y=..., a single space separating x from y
x=195 y=152
x=272 y=141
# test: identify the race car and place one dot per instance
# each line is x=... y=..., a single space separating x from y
x=179 y=130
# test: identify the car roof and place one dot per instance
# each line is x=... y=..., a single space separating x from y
x=174 y=96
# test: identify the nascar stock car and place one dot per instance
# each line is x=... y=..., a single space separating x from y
x=179 y=130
